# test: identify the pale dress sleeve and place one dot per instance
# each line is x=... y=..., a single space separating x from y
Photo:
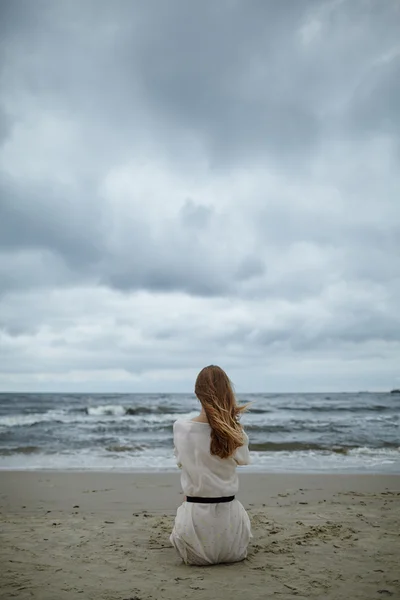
x=242 y=454
x=176 y=451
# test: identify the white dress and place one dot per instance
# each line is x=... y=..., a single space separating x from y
x=206 y=534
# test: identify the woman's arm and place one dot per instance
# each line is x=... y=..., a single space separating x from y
x=176 y=452
x=242 y=454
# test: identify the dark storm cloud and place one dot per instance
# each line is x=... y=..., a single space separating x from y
x=29 y=222
x=195 y=216
x=236 y=74
x=244 y=152
x=239 y=74
x=220 y=69
x=375 y=104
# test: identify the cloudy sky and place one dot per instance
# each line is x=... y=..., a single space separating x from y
x=185 y=183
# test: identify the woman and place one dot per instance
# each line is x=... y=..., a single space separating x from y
x=211 y=526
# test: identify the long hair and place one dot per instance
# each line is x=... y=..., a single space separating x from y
x=214 y=390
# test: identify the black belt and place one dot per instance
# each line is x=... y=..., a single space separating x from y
x=209 y=500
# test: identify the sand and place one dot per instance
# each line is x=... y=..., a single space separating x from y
x=104 y=536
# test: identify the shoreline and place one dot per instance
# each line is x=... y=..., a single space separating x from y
x=105 y=536
x=242 y=472
x=39 y=490
x=174 y=471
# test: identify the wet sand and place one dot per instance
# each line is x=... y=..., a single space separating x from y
x=104 y=536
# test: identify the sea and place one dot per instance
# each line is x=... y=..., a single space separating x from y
x=310 y=433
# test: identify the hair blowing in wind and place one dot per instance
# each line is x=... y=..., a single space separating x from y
x=214 y=390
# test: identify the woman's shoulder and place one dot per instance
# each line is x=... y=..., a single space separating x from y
x=180 y=424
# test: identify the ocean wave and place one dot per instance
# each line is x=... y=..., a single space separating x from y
x=258 y=411
x=33 y=418
x=19 y=450
x=119 y=410
x=115 y=410
x=305 y=446
x=92 y=412
x=387 y=451
x=122 y=448
x=338 y=408
x=357 y=460
x=297 y=426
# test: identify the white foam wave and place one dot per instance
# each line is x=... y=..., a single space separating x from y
x=92 y=414
x=33 y=418
x=114 y=410
x=90 y=460
x=367 y=460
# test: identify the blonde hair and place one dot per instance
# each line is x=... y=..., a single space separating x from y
x=214 y=390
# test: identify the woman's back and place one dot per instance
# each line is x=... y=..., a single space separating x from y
x=204 y=474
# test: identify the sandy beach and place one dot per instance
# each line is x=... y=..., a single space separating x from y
x=104 y=536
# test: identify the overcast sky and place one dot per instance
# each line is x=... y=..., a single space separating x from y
x=194 y=182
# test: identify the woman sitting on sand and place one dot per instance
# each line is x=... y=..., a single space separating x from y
x=211 y=526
